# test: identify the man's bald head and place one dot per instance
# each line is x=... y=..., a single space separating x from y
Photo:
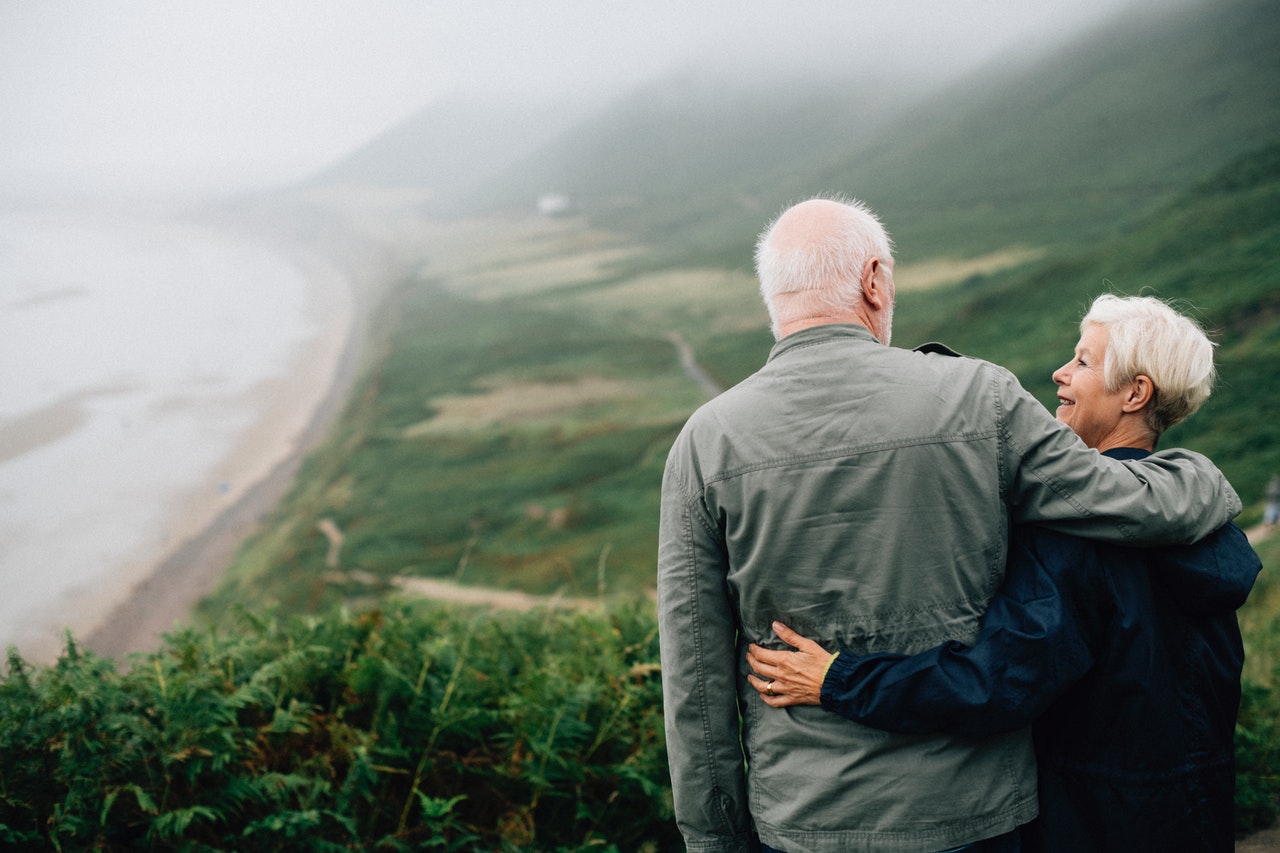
x=812 y=262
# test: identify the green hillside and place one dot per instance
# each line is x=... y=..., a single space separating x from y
x=514 y=432
x=1063 y=150
x=1029 y=150
x=681 y=152
x=1215 y=249
x=513 y=435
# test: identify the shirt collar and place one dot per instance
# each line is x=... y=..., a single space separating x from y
x=1124 y=453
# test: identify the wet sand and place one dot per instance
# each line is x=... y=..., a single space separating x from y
x=291 y=416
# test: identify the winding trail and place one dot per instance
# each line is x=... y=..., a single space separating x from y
x=498 y=598
x=1259 y=532
x=695 y=371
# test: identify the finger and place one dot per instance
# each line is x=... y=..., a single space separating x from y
x=791 y=638
x=780 y=700
x=769 y=657
x=786 y=634
x=767 y=672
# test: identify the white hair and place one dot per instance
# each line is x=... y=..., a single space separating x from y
x=821 y=276
x=1148 y=337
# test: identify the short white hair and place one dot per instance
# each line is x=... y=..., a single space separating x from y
x=1147 y=336
x=825 y=274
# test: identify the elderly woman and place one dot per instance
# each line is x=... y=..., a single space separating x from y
x=1126 y=661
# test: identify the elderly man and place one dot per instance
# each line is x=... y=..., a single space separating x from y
x=904 y=469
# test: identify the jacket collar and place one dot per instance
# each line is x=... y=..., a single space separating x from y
x=821 y=334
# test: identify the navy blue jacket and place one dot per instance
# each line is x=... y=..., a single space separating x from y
x=1127 y=660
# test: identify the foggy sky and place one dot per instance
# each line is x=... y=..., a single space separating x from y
x=175 y=95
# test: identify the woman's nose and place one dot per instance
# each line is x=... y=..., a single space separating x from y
x=1060 y=375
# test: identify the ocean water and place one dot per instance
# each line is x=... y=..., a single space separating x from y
x=130 y=349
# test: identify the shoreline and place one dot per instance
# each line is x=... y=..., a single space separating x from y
x=263 y=465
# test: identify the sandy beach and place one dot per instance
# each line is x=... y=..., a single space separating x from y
x=291 y=414
x=201 y=519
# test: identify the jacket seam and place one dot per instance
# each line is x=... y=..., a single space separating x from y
x=691 y=583
x=849 y=451
x=939 y=633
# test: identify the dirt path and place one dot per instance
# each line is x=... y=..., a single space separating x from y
x=692 y=369
x=1266 y=841
x=1256 y=534
x=498 y=599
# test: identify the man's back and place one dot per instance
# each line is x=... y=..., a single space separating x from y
x=854 y=492
x=858 y=484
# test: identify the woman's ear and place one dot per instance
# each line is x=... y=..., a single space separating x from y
x=1140 y=392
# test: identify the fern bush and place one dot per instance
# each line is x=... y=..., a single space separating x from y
x=398 y=729
x=407 y=728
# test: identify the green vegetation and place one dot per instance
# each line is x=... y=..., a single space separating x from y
x=405 y=729
x=1258 y=726
x=508 y=447
x=1215 y=251
x=512 y=422
x=422 y=484
x=1057 y=150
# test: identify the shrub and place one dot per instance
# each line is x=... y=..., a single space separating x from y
x=400 y=729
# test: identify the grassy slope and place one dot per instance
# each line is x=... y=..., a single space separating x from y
x=564 y=499
x=1046 y=152
x=515 y=431
x=422 y=484
x=1216 y=247
x=501 y=440
x=1063 y=150
x=692 y=165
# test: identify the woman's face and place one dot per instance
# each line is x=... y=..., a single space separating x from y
x=1084 y=404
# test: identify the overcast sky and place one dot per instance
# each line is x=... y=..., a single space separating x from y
x=190 y=96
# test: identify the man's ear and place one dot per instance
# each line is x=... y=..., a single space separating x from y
x=1139 y=393
x=874 y=290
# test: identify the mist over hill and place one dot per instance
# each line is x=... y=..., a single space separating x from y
x=1100 y=133
x=450 y=144
x=1047 y=148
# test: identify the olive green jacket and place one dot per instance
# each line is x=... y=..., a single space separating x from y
x=862 y=495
